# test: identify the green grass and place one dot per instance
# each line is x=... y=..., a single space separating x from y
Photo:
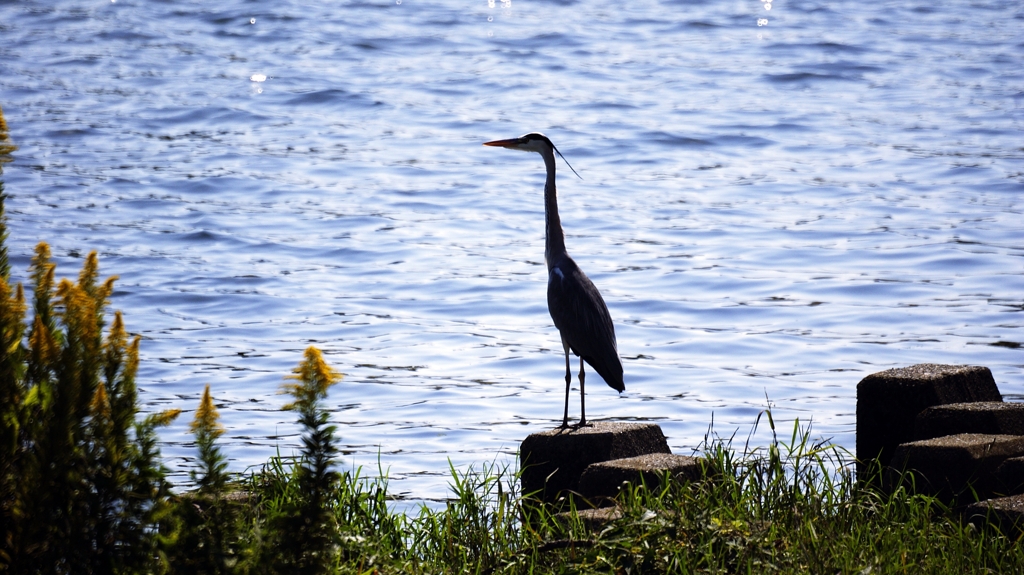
x=790 y=507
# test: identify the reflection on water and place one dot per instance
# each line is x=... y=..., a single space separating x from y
x=771 y=209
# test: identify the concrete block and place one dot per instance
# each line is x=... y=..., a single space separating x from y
x=1004 y=513
x=950 y=467
x=1010 y=475
x=553 y=461
x=888 y=403
x=592 y=519
x=993 y=417
x=603 y=480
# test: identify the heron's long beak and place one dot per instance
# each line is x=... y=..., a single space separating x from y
x=511 y=143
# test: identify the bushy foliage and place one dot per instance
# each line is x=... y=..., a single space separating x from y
x=212 y=474
x=82 y=481
x=305 y=529
x=204 y=531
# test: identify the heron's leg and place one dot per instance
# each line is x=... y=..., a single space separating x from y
x=583 y=398
x=568 y=381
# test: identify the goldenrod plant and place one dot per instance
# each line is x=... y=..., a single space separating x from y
x=6 y=146
x=12 y=391
x=306 y=524
x=82 y=483
x=206 y=529
x=206 y=427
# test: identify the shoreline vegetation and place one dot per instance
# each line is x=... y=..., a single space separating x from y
x=83 y=489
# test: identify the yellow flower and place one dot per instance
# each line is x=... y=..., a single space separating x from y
x=314 y=377
x=206 y=419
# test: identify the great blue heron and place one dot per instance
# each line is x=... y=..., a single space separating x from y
x=574 y=303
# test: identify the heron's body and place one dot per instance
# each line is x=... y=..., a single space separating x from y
x=575 y=305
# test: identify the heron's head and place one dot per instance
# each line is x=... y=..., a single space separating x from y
x=532 y=142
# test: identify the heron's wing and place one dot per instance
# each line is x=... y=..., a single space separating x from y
x=582 y=317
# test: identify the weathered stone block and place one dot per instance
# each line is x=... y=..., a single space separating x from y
x=950 y=467
x=1010 y=475
x=553 y=461
x=993 y=417
x=592 y=519
x=1005 y=513
x=603 y=480
x=888 y=403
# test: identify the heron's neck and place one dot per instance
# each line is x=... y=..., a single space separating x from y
x=554 y=244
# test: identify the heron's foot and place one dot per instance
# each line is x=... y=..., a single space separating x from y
x=581 y=425
x=565 y=425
